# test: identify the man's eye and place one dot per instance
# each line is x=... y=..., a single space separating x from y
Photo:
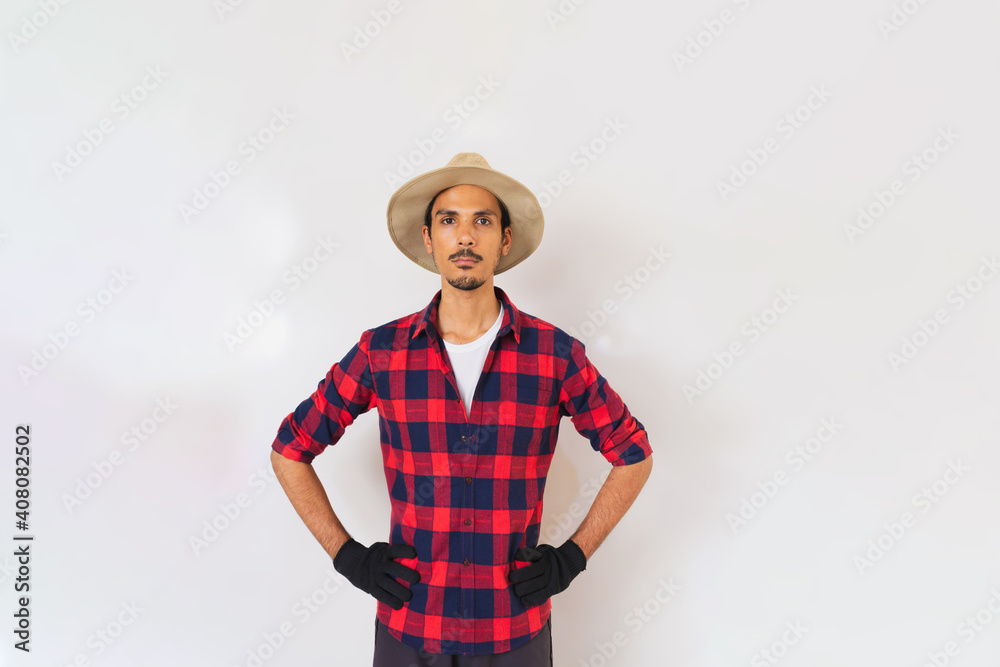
x=486 y=219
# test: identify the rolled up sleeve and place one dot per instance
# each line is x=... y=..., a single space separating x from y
x=320 y=420
x=598 y=412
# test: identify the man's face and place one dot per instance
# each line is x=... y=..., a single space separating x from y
x=465 y=221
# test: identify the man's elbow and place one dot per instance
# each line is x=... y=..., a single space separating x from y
x=641 y=470
x=647 y=466
x=282 y=463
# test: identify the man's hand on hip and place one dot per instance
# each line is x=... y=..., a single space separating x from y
x=374 y=569
x=550 y=572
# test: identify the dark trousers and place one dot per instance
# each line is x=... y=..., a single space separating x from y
x=390 y=652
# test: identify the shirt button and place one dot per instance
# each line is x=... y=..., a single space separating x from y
x=463 y=438
x=468 y=480
x=468 y=522
x=465 y=562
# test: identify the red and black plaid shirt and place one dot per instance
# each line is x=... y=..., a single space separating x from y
x=466 y=492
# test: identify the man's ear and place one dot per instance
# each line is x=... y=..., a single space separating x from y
x=426 y=233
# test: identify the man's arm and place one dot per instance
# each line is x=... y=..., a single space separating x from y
x=346 y=392
x=308 y=497
x=616 y=495
x=599 y=414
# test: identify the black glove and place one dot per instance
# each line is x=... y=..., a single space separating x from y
x=372 y=570
x=550 y=571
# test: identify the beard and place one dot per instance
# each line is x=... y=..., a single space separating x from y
x=468 y=282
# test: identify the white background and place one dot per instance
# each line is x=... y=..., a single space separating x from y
x=687 y=126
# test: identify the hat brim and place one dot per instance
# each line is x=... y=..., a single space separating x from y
x=408 y=205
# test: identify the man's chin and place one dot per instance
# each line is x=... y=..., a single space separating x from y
x=466 y=284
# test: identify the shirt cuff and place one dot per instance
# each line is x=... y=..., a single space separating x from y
x=292 y=453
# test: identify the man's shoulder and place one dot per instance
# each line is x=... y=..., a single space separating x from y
x=385 y=335
x=534 y=328
x=529 y=321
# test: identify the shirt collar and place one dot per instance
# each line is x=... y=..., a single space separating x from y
x=511 y=316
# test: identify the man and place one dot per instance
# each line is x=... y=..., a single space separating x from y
x=470 y=391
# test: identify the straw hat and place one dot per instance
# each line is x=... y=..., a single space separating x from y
x=408 y=204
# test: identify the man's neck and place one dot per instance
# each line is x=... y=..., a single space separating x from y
x=465 y=315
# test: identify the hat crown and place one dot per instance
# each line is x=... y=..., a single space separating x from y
x=469 y=160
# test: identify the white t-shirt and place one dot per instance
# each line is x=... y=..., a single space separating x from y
x=467 y=360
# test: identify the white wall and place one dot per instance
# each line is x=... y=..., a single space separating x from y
x=855 y=297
